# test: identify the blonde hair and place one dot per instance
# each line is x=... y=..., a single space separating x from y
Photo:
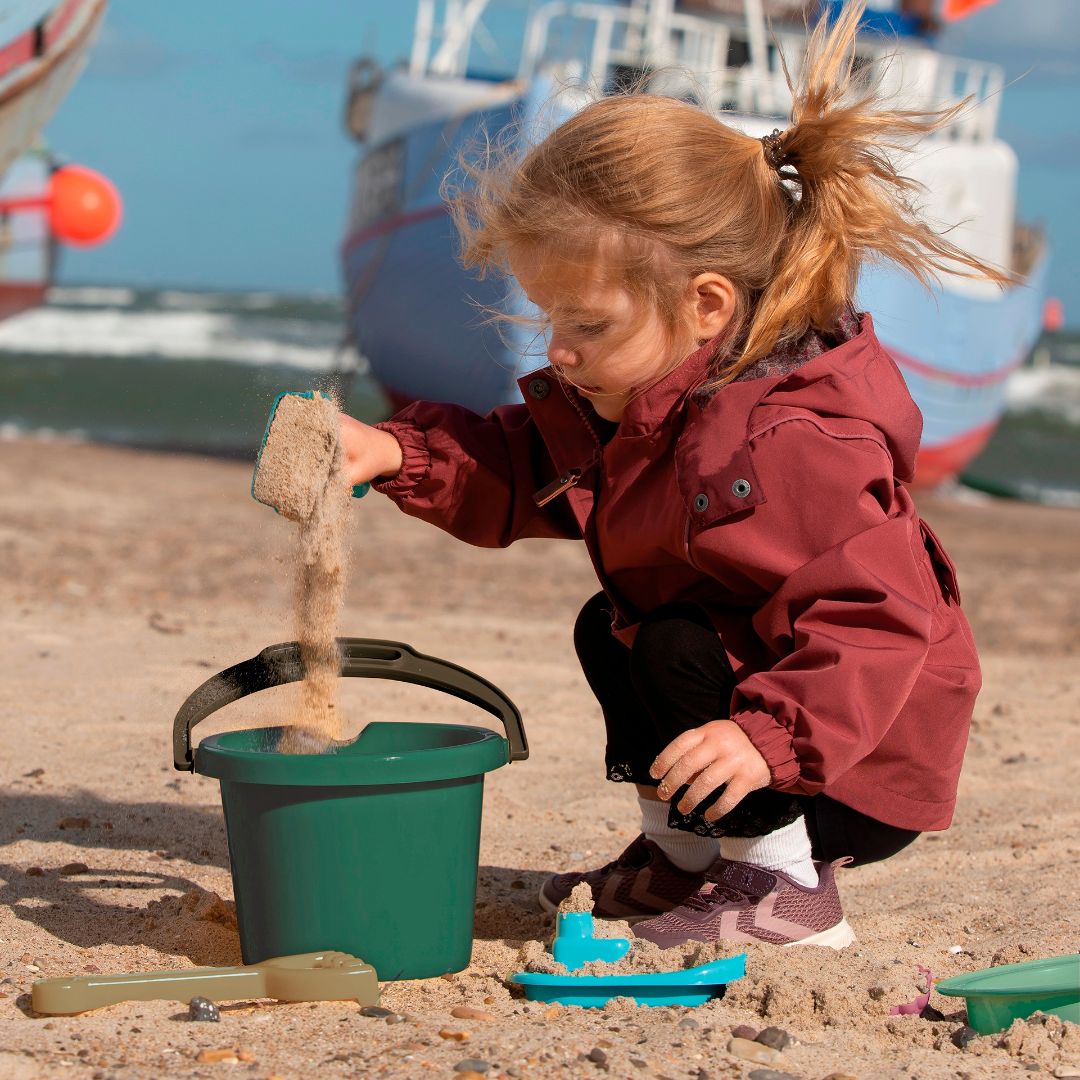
x=664 y=191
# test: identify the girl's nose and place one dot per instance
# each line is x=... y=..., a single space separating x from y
x=560 y=355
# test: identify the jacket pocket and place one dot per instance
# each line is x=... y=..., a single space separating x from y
x=943 y=567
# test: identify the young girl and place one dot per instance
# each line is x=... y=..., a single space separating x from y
x=778 y=648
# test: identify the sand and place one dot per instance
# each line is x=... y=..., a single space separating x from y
x=131 y=577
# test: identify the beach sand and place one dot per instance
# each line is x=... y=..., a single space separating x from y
x=130 y=577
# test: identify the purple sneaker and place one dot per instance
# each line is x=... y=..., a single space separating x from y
x=747 y=903
x=640 y=883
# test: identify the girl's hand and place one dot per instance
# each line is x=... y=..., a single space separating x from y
x=706 y=757
x=369 y=452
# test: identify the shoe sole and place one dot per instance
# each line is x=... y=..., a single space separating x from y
x=839 y=936
x=548 y=906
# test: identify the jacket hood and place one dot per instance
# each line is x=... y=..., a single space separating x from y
x=858 y=380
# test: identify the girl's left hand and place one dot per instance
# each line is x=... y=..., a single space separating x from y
x=705 y=757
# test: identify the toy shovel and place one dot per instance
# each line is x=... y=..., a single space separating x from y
x=317 y=976
x=297 y=454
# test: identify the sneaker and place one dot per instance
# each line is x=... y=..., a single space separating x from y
x=747 y=903
x=640 y=883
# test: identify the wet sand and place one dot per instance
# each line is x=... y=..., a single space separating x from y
x=130 y=577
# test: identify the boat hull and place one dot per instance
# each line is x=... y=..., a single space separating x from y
x=421 y=320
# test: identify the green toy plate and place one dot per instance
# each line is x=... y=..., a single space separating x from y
x=999 y=995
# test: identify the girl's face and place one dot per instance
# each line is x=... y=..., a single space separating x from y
x=603 y=340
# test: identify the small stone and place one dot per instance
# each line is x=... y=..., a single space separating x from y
x=576 y=856
x=1063 y=1071
x=467 y=1012
x=377 y=1012
x=597 y=1057
x=73 y=823
x=962 y=1036
x=471 y=1074
x=876 y=992
x=612 y=826
x=749 y=1050
x=471 y=1065
x=703 y=1074
x=34 y=871
x=517 y=883
x=200 y=1008
x=455 y=1036
x=396 y=1018
x=775 y=1037
x=689 y=1022
x=769 y=1074
x=74 y=868
x=213 y=1057
x=744 y=1031
x=839 y=1076
x=956 y=950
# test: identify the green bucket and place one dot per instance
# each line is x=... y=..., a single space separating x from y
x=371 y=848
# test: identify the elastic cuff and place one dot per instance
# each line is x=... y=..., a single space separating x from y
x=415 y=459
x=773 y=742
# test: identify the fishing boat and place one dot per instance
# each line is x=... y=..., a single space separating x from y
x=43 y=47
x=416 y=315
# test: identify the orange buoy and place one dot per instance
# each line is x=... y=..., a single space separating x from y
x=84 y=207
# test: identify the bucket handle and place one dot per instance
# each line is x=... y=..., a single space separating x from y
x=372 y=658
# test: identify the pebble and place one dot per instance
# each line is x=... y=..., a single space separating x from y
x=840 y=1076
x=1063 y=1071
x=212 y=1057
x=456 y=1036
x=73 y=823
x=956 y=950
x=34 y=871
x=576 y=856
x=376 y=1011
x=689 y=1022
x=396 y=1018
x=597 y=1056
x=962 y=1036
x=200 y=1008
x=467 y=1012
x=749 y=1050
x=744 y=1031
x=471 y=1065
x=775 y=1037
x=470 y=1074
x=770 y=1074
x=876 y=992
x=74 y=868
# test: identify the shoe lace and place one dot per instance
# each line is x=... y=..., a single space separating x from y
x=719 y=894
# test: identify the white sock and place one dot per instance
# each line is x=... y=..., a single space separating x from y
x=686 y=850
x=786 y=849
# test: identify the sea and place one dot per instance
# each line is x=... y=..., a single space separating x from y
x=197 y=371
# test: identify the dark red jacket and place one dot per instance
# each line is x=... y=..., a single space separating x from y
x=777 y=505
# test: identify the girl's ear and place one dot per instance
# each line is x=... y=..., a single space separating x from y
x=713 y=302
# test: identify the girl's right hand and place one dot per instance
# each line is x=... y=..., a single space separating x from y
x=369 y=452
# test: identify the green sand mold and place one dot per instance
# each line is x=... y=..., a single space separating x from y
x=999 y=995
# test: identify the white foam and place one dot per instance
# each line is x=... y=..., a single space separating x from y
x=170 y=335
x=1054 y=389
x=90 y=296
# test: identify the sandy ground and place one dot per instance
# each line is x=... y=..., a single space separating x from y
x=130 y=577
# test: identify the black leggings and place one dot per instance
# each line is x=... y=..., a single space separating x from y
x=677 y=677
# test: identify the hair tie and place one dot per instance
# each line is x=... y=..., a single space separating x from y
x=772 y=147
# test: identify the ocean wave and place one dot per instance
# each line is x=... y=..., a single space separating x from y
x=1054 y=390
x=172 y=335
x=91 y=296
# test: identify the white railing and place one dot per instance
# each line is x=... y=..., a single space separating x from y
x=689 y=55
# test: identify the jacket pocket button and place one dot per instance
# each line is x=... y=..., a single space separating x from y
x=701 y=503
x=538 y=389
x=740 y=489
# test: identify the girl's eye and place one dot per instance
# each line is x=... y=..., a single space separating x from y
x=590 y=329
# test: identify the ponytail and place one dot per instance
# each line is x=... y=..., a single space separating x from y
x=846 y=200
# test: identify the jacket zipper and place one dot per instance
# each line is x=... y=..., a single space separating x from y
x=571 y=477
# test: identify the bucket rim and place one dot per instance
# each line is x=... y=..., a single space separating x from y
x=471 y=751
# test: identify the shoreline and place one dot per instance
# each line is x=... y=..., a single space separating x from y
x=133 y=575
